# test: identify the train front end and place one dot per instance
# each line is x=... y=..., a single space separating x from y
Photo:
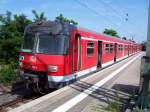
x=43 y=52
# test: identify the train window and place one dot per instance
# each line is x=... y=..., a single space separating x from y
x=111 y=48
x=126 y=47
x=90 y=48
x=120 y=47
x=108 y=48
x=107 y=45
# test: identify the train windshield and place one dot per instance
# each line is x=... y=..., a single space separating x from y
x=28 y=43
x=51 y=44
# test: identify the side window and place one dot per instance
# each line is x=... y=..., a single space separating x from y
x=126 y=47
x=108 y=48
x=90 y=48
x=120 y=48
x=111 y=48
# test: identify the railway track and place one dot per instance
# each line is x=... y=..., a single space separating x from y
x=10 y=100
x=15 y=97
x=14 y=103
x=2 y=90
x=18 y=96
x=9 y=104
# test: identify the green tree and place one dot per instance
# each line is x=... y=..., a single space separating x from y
x=124 y=38
x=111 y=32
x=21 y=22
x=39 y=17
x=11 y=32
x=61 y=18
x=6 y=18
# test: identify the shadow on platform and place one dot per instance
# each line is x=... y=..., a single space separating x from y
x=129 y=89
x=125 y=93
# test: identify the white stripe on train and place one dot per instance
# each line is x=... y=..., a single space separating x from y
x=79 y=74
x=92 y=39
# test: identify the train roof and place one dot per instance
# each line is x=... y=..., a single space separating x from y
x=104 y=35
x=66 y=28
x=51 y=27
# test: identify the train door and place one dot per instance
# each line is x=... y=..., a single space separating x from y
x=99 y=63
x=77 y=54
x=115 y=52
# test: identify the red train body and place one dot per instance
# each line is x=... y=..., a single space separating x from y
x=54 y=54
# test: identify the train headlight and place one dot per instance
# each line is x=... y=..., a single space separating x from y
x=52 y=68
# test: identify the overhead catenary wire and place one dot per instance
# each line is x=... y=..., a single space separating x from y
x=120 y=13
x=98 y=14
x=113 y=9
x=95 y=12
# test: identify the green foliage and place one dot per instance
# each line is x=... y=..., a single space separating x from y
x=11 y=31
x=137 y=109
x=39 y=17
x=114 y=106
x=61 y=18
x=9 y=49
x=97 y=108
x=124 y=38
x=7 y=74
x=111 y=32
x=6 y=18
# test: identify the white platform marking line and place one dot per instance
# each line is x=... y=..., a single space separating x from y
x=72 y=102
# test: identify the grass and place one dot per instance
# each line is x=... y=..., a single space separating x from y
x=137 y=109
x=97 y=109
x=114 y=106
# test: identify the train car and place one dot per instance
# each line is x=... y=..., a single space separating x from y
x=55 y=54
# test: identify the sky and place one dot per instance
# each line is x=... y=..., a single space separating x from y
x=95 y=15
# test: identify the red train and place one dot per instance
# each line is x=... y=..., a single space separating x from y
x=54 y=54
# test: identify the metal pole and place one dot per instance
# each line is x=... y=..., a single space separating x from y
x=144 y=100
x=148 y=34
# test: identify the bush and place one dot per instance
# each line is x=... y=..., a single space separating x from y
x=9 y=49
x=7 y=74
